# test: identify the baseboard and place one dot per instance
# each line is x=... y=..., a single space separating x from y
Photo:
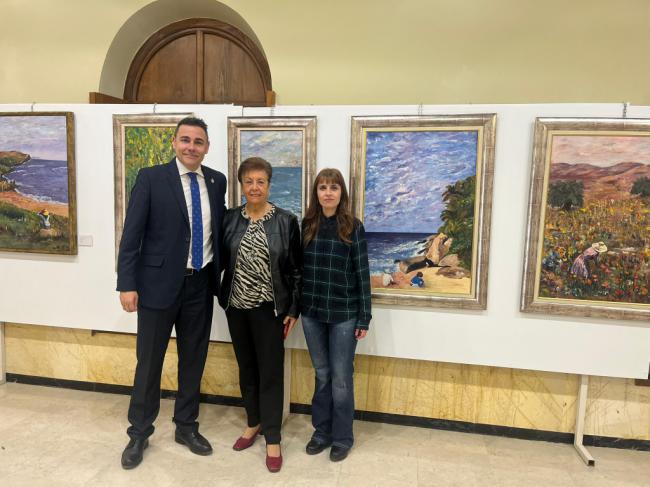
x=397 y=419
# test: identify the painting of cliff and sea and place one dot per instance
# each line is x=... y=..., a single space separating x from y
x=589 y=244
x=288 y=144
x=422 y=187
x=37 y=183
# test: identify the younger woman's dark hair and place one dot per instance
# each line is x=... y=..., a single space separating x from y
x=344 y=217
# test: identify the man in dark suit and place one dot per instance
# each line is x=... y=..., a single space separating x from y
x=167 y=270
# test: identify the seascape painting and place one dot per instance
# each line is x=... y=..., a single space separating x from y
x=594 y=232
x=418 y=199
x=37 y=183
x=138 y=141
x=283 y=150
x=288 y=144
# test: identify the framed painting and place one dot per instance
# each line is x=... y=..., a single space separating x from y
x=588 y=238
x=38 y=211
x=422 y=185
x=288 y=144
x=139 y=140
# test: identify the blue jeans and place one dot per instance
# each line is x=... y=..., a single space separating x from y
x=331 y=347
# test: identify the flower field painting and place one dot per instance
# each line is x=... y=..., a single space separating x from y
x=592 y=220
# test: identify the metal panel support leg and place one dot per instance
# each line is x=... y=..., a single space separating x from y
x=3 y=359
x=287 y=384
x=580 y=421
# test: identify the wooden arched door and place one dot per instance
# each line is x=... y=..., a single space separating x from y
x=199 y=61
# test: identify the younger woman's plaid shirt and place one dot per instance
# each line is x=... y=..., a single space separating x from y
x=336 y=277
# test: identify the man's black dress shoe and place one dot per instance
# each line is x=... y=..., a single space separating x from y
x=314 y=447
x=132 y=454
x=194 y=441
x=338 y=453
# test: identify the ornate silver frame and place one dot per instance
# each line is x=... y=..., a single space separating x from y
x=305 y=124
x=485 y=124
x=545 y=128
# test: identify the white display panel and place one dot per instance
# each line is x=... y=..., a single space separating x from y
x=79 y=291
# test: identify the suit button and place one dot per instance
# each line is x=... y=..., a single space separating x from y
x=187 y=239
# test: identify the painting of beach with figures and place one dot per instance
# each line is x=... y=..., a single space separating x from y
x=37 y=183
x=288 y=144
x=593 y=233
x=417 y=190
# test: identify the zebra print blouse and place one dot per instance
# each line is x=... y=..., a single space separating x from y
x=251 y=283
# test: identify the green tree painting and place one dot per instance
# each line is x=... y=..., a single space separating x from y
x=144 y=147
x=458 y=217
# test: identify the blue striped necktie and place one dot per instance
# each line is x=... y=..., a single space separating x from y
x=197 y=223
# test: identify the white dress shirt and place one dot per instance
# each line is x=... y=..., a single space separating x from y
x=205 y=211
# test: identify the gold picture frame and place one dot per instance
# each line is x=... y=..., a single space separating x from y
x=38 y=204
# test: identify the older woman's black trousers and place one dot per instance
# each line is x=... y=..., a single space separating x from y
x=259 y=347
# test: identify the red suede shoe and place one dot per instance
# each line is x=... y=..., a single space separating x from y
x=274 y=464
x=243 y=443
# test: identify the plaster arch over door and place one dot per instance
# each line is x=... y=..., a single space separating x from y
x=220 y=33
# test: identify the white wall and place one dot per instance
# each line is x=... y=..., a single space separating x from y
x=79 y=291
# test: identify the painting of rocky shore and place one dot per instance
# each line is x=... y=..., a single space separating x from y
x=417 y=196
x=594 y=241
x=37 y=183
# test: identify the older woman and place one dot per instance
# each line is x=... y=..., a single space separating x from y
x=335 y=308
x=260 y=292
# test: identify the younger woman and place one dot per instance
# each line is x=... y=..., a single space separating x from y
x=335 y=307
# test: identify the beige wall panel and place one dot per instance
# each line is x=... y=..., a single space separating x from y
x=361 y=381
x=302 y=377
x=366 y=51
x=46 y=352
x=617 y=407
x=488 y=395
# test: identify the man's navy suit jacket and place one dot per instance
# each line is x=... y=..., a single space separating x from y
x=156 y=238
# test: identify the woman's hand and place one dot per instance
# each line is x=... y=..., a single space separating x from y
x=360 y=334
x=289 y=323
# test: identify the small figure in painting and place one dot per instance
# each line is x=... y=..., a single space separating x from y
x=418 y=280
x=387 y=279
x=579 y=267
x=44 y=215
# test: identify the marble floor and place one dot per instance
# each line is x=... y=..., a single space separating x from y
x=61 y=437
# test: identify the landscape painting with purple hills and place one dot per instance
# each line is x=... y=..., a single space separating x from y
x=596 y=230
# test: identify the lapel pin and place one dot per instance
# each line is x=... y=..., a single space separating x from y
x=212 y=180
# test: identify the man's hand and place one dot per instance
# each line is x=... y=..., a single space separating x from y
x=289 y=323
x=129 y=301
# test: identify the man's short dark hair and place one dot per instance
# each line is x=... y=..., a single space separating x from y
x=254 y=164
x=194 y=122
